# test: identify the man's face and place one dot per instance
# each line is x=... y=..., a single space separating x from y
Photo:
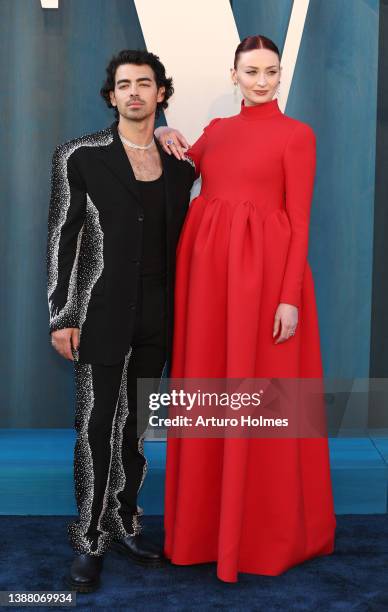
x=136 y=94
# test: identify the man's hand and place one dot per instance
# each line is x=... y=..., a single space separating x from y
x=172 y=141
x=64 y=340
x=286 y=320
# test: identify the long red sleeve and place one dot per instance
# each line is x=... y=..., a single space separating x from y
x=299 y=168
x=196 y=151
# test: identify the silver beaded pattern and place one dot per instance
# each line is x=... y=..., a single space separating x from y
x=83 y=463
x=86 y=270
x=188 y=159
x=91 y=258
x=68 y=315
x=111 y=518
x=110 y=524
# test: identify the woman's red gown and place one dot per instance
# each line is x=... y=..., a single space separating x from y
x=252 y=505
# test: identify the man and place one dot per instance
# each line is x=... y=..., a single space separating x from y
x=117 y=206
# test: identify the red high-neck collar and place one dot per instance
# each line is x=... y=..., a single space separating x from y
x=260 y=111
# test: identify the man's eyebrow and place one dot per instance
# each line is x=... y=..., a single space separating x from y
x=137 y=80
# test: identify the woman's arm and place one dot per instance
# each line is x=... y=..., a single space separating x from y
x=181 y=149
x=299 y=168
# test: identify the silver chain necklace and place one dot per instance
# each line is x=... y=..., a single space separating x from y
x=135 y=146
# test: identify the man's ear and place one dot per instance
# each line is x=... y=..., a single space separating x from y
x=161 y=94
x=112 y=98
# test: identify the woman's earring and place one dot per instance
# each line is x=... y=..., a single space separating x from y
x=235 y=89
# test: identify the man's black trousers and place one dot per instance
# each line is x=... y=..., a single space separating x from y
x=109 y=464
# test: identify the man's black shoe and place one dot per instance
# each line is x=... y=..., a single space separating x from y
x=85 y=573
x=140 y=550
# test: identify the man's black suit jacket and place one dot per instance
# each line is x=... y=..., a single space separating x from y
x=95 y=241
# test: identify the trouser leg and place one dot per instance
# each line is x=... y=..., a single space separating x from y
x=109 y=463
x=98 y=389
x=147 y=361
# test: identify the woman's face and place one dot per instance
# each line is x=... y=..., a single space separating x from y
x=258 y=75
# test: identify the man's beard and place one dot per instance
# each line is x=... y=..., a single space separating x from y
x=137 y=115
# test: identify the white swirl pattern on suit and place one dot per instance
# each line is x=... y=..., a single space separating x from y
x=88 y=265
x=68 y=314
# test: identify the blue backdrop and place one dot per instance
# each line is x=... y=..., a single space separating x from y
x=52 y=65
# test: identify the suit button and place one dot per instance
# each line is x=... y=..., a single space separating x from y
x=132 y=306
x=140 y=218
x=136 y=261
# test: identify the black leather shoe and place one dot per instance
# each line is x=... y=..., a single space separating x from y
x=140 y=550
x=85 y=573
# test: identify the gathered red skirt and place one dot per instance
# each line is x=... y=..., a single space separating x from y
x=256 y=505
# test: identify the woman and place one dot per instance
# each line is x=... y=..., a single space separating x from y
x=245 y=307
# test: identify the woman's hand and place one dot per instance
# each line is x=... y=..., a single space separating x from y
x=286 y=320
x=172 y=141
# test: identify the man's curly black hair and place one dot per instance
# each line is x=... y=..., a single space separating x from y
x=138 y=57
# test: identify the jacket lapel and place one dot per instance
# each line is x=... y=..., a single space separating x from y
x=115 y=158
x=167 y=174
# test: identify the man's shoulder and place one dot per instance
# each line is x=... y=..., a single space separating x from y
x=81 y=144
x=178 y=166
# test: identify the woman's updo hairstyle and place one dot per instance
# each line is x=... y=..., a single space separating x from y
x=255 y=42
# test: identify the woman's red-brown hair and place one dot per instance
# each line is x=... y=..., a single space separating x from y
x=255 y=42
